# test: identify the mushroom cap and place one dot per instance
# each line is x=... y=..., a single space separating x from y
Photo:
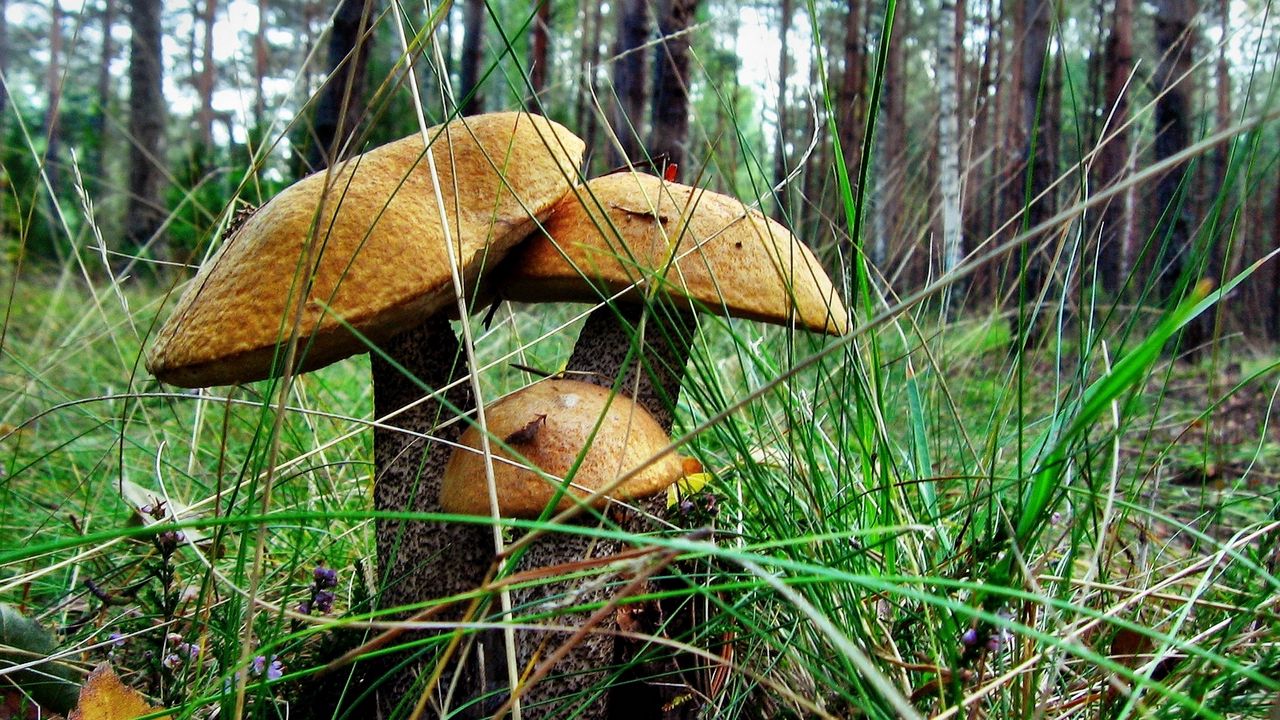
x=616 y=233
x=380 y=260
x=548 y=424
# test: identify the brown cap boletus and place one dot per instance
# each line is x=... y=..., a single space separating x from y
x=360 y=255
x=543 y=430
x=633 y=236
x=364 y=247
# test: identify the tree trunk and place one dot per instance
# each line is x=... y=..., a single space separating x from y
x=1039 y=115
x=539 y=41
x=670 y=136
x=205 y=79
x=260 y=58
x=1011 y=142
x=145 y=211
x=1175 y=44
x=341 y=101
x=1113 y=159
x=587 y=108
x=853 y=82
x=1273 y=321
x=787 y=8
x=629 y=82
x=977 y=171
x=98 y=123
x=949 y=140
x=1224 y=260
x=585 y=73
x=893 y=149
x=4 y=56
x=472 y=40
x=53 y=97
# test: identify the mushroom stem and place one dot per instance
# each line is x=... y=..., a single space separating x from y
x=603 y=345
x=422 y=560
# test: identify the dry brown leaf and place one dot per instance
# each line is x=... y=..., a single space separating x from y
x=104 y=697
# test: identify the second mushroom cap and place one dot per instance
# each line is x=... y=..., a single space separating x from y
x=548 y=425
x=628 y=230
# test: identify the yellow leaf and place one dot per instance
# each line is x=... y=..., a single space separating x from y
x=104 y=697
x=686 y=485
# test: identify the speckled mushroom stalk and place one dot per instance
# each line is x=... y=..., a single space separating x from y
x=414 y=556
x=365 y=242
x=656 y=371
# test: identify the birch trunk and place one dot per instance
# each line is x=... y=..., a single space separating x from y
x=948 y=142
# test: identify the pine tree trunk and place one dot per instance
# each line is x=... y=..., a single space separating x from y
x=145 y=211
x=1175 y=43
x=588 y=112
x=1175 y=39
x=1039 y=115
x=205 y=80
x=341 y=101
x=670 y=136
x=787 y=8
x=1273 y=322
x=1113 y=159
x=891 y=156
x=472 y=40
x=540 y=41
x=4 y=55
x=629 y=82
x=260 y=58
x=98 y=123
x=853 y=82
x=976 y=197
x=53 y=97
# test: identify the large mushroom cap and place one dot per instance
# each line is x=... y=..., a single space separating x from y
x=381 y=263
x=617 y=232
x=548 y=425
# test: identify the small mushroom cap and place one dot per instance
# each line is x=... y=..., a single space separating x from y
x=616 y=233
x=381 y=263
x=548 y=425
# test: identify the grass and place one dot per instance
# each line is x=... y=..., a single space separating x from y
x=831 y=586
x=914 y=520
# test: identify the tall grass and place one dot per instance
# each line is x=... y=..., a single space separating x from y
x=918 y=519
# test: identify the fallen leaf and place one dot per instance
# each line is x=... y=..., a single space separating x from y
x=104 y=697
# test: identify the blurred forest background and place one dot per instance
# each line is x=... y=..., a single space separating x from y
x=1113 y=130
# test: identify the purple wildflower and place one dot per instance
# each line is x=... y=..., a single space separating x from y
x=322 y=597
x=325 y=577
x=260 y=668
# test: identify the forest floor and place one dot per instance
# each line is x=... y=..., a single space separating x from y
x=1211 y=457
